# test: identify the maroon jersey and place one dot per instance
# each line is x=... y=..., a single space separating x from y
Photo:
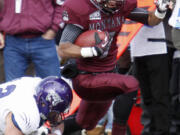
x=85 y=15
x=97 y=90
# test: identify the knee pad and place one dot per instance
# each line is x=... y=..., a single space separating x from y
x=122 y=111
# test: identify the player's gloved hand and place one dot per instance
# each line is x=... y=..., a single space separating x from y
x=161 y=8
x=102 y=46
x=69 y=70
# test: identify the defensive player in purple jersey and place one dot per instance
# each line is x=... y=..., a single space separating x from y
x=22 y=111
x=96 y=83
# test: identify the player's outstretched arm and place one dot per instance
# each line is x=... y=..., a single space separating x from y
x=156 y=17
x=10 y=127
x=150 y=18
x=153 y=19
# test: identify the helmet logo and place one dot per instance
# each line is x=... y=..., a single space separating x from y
x=54 y=98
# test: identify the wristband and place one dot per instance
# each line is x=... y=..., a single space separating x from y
x=160 y=15
x=57 y=132
x=88 y=52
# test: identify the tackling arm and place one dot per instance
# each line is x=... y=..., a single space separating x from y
x=10 y=127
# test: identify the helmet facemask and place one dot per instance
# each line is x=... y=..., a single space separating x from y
x=55 y=118
x=109 y=6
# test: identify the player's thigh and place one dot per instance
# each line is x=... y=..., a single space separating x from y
x=104 y=86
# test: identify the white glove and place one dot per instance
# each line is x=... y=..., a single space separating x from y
x=43 y=130
x=57 y=132
x=161 y=8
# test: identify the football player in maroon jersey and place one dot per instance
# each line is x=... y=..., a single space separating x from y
x=97 y=84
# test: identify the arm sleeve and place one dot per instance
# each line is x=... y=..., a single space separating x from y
x=70 y=33
x=139 y=15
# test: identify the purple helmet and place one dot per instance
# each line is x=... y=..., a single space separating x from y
x=53 y=95
x=109 y=6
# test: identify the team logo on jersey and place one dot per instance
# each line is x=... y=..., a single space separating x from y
x=65 y=16
x=54 y=98
x=7 y=90
x=95 y=16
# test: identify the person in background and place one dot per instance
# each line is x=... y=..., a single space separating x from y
x=28 y=102
x=174 y=23
x=149 y=52
x=30 y=28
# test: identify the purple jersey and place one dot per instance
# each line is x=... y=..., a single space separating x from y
x=88 y=17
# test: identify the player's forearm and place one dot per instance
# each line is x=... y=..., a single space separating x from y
x=150 y=17
x=69 y=50
x=159 y=14
x=153 y=19
x=145 y=17
x=10 y=128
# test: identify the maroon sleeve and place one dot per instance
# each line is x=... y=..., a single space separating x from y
x=70 y=17
x=75 y=13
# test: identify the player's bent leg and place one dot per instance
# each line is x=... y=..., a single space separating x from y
x=121 y=112
x=104 y=86
x=90 y=113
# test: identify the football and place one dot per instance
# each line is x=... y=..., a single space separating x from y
x=90 y=38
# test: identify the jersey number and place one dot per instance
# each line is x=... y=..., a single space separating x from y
x=6 y=91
